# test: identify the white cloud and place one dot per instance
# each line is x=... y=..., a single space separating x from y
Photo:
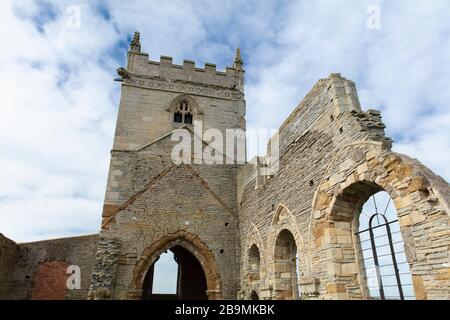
x=401 y=69
x=57 y=126
x=59 y=102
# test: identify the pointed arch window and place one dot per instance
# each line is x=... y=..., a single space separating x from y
x=382 y=251
x=254 y=259
x=183 y=113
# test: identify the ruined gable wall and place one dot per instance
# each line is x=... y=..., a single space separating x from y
x=326 y=142
x=322 y=123
x=163 y=199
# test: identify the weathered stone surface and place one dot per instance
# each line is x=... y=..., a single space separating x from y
x=302 y=218
x=39 y=269
x=419 y=288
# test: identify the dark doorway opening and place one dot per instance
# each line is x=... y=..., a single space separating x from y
x=191 y=279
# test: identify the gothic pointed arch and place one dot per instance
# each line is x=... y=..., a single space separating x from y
x=255 y=238
x=339 y=200
x=281 y=214
x=254 y=260
x=286 y=251
x=183 y=105
x=285 y=266
x=253 y=263
x=188 y=241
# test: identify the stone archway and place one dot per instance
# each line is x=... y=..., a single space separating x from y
x=191 y=243
x=179 y=277
x=285 y=266
x=254 y=263
x=345 y=215
x=339 y=199
x=284 y=219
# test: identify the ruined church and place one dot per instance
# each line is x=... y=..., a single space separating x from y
x=312 y=229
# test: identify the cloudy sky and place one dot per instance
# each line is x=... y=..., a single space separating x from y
x=59 y=102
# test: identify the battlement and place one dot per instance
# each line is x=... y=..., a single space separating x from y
x=139 y=65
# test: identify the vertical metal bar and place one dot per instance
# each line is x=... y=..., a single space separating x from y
x=375 y=259
x=387 y=206
x=394 y=262
x=376 y=209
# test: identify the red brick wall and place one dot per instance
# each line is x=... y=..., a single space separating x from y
x=50 y=281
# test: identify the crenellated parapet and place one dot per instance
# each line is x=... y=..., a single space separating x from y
x=141 y=69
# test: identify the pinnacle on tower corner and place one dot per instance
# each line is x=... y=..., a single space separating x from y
x=238 y=62
x=135 y=44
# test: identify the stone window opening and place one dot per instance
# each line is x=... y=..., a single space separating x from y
x=183 y=113
x=381 y=251
x=352 y=211
x=254 y=260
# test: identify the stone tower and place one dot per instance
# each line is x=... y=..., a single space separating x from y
x=153 y=205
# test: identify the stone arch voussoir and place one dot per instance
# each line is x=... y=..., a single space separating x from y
x=284 y=219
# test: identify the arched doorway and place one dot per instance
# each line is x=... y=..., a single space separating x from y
x=254 y=295
x=285 y=266
x=381 y=250
x=190 y=280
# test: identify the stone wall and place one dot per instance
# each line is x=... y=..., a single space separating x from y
x=164 y=199
x=327 y=145
x=8 y=254
x=40 y=268
x=50 y=281
x=150 y=89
